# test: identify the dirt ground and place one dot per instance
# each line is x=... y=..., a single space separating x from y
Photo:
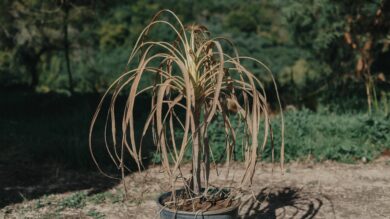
x=306 y=190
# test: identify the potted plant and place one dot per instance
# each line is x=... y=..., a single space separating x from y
x=194 y=81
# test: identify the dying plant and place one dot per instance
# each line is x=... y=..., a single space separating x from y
x=195 y=80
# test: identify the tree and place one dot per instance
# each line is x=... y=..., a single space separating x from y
x=35 y=32
x=65 y=7
x=346 y=35
x=28 y=38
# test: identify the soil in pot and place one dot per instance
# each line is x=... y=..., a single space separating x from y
x=216 y=204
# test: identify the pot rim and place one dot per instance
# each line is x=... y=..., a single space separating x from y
x=213 y=212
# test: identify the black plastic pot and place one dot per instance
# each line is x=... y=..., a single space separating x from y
x=166 y=213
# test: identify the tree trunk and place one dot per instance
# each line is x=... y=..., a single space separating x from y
x=31 y=61
x=34 y=73
x=66 y=44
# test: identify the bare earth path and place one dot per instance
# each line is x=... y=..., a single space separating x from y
x=326 y=190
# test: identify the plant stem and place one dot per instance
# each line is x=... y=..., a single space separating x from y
x=206 y=152
x=196 y=152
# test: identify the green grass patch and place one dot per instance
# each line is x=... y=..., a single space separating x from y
x=76 y=200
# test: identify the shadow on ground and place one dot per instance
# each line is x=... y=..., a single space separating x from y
x=19 y=183
x=44 y=145
x=285 y=202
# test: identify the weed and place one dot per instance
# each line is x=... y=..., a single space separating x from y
x=39 y=204
x=50 y=216
x=77 y=200
x=99 y=198
x=113 y=197
x=95 y=214
x=42 y=202
x=116 y=197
